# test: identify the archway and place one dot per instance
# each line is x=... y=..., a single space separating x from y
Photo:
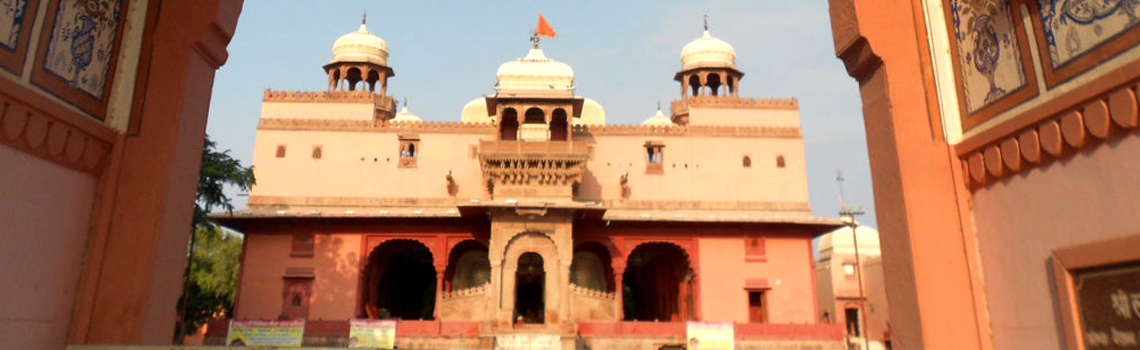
x=509 y=127
x=657 y=284
x=530 y=281
x=559 y=125
x=695 y=84
x=400 y=281
x=468 y=266
x=353 y=76
x=714 y=84
x=591 y=267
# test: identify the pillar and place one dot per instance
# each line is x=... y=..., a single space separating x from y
x=619 y=296
x=438 y=293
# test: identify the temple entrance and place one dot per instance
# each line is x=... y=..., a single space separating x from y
x=657 y=284
x=530 y=281
x=400 y=281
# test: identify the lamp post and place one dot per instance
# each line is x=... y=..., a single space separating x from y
x=850 y=213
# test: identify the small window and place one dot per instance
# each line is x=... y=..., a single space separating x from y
x=409 y=151
x=755 y=250
x=747 y=162
x=849 y=269
x=316 y=152
x=303 y=245
x=654 y=157
x=280 y=151
x=779 y=161
x=296 y=300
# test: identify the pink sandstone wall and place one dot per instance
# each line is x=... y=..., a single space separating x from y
x=263 y=263
x=744 y=117
x=1020 y=220
x=336 y=260
x=318 y=110
x=40 y=221
x=789 y=272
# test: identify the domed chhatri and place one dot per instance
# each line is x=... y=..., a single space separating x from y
x=708 y=51
x=405 y=116
x=360 y=46
x=535 y=72
x=658 y=120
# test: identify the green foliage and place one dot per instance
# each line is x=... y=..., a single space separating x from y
x=210 y=281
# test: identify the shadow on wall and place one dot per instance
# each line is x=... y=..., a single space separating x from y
x=337 y=277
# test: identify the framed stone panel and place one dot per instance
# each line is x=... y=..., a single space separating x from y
x=992 y=62
x=78 y=50
x=1073 y=36
x=1098 y=293
x=16 y=18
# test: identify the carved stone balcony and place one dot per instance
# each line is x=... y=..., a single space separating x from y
x=520 y=169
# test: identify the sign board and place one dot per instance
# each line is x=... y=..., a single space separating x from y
x=1108 y=299
x=284 y=333
x=372 y=334
x=709 y=336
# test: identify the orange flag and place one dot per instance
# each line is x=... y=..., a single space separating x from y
x=544 y=28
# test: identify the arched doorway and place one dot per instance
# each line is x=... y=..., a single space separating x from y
x=657 y=284
x=530 y=281
x=400 y=281
x=559 y=125
x=467 y=267
x=591 y=268
x=509 y=126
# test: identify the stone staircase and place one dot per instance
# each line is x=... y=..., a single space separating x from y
x=528 y=341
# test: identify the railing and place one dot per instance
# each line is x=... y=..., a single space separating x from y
x=591 y=293
x=473 y=291
x=534 y=148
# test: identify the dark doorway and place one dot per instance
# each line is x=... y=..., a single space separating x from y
x=657 y=284
x=401 y=280
x=509 y=130
x=530 y=280
x=852 y=321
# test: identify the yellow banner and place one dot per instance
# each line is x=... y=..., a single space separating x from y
x=372 y=334
x=284 y=333
x=710 y=336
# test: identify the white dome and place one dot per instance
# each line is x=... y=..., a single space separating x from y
x=842 y=241
x=707 y=51
x=406 y=117
x=476 y=112
x=659 y=120
x=360 y=46
x=592 y=113
x=535 y=72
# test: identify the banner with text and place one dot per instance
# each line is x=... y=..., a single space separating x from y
x=286 y=333
x=372 y=334
x=710 y=336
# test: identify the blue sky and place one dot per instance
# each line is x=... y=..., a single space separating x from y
x=624 y=55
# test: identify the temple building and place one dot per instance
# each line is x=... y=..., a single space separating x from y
x=531 y=213
x=849 y=275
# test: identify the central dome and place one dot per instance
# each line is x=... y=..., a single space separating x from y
x=708 y=51
x=360 y=46
x=535 y=72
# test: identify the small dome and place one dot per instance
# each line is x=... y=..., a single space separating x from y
x=360 y=46
x=406 y=117
x=842 y=241
x=476 y=112
x=535 y=72
x=659 y=120
x=592 y=113
x=707 y=51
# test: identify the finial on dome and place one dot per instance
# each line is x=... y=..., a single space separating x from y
x=706 y=22
x=364 y=19
x=405 y=101
x=659 y=105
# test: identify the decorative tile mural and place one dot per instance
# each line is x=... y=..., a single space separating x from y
x=11 y=19
x=1074 y=27
x=990 y=55
x=83 y=40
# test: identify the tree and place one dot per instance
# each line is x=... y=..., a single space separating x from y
x=210 y=280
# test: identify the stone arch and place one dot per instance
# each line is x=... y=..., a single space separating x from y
x=714 y=83
x=400 y=279
x=353 y=75
x=536 y=242
x=559 y=125
x=509 y=126
x=334 y=79
x=695 y=84
x=659 y=281
x=468 y=266
x=592 y=267
x=534 y=115
x=373 y=77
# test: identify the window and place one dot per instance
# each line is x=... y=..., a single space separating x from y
x=302 y=245
x=409 y=150
x=280 y=151
x=654 y=157
x=317 y=152
x=747 y=162
x=780 y=162
x=296 y=293
x=755 y=250
x=757 y=307
x=849 y=269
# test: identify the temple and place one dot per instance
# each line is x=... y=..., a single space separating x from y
x=531 y=214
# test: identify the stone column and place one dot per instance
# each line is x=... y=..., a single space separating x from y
x=438 y=293
x=618 y=295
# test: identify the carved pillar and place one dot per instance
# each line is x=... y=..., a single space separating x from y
x=438 y=293
x=704 y=76
x=620 y=304
x=684 y=86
